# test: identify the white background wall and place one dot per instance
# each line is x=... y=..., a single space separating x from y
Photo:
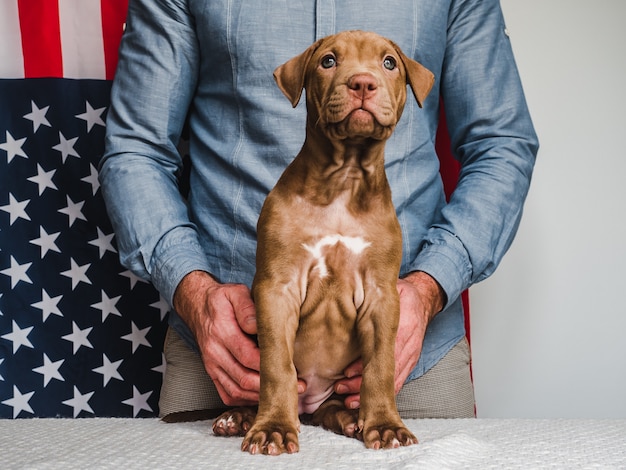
x=549 y=328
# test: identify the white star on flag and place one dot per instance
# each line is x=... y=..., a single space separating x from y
x=109 y=370
x=139 y=401
x=92 y=116
x=16 y=209
x=92 y=179
x=161 y=368
x=107 y=306
x=48 y=305
x=134 y=279
x=13 y=147
x=103 y=242
x=43 y=179
x=1 y=361
x=73 y=210
x=77 y=273
x=66 y=147
x=50 y=370
x=162 y=306
x=46 y=241
x=19 y=337
x=137 y=337
x=37 y=116
x=19 y=402
x=78 y=337
x=80 y=402
x=17 y=272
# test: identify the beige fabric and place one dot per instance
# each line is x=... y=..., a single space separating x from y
x=445 y=391
x=186 y=385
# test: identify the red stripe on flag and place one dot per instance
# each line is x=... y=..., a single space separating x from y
x=41 y=38
x=113 y=18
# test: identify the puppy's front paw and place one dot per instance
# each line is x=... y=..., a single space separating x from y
x=235 y=422
x=387 y=436
x=271 y=439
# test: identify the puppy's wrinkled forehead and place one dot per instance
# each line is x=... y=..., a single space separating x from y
x=354 y=47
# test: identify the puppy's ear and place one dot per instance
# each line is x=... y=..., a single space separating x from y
x=419 y=78
x=290 y=75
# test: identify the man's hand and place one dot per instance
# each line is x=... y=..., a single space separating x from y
x=421 y=298
x=221 y=316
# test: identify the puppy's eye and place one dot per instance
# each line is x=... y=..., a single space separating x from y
x=329 y=61
x=390 y=63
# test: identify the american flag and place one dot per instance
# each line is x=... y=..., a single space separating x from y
x=80 y=335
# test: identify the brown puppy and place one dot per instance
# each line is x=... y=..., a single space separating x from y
x=329 y=250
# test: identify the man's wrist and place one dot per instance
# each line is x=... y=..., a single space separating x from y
x=431 y=291
x=191 y=285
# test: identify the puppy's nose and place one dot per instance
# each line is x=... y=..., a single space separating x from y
x=363 y=85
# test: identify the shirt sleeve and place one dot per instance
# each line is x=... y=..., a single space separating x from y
x=153 y=86
x=492 y=135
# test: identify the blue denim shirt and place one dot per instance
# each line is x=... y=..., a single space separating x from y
x=213 y=60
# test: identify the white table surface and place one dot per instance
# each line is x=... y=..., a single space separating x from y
x=100 y=443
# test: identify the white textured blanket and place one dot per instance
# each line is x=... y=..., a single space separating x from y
x=444 y=444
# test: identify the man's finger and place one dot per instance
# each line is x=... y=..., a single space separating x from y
x=231 y=394
x=354 y=369
x=243 y=306
x=236 y=385
x=352 y=402
x=348 y=386
x=246 y=352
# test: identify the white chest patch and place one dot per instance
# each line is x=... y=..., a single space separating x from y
x=355 y=244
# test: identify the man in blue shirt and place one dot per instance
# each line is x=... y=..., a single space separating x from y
x=210 y=64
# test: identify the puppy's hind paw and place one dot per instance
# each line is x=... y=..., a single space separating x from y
x=334 y=417
x=235 y=422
